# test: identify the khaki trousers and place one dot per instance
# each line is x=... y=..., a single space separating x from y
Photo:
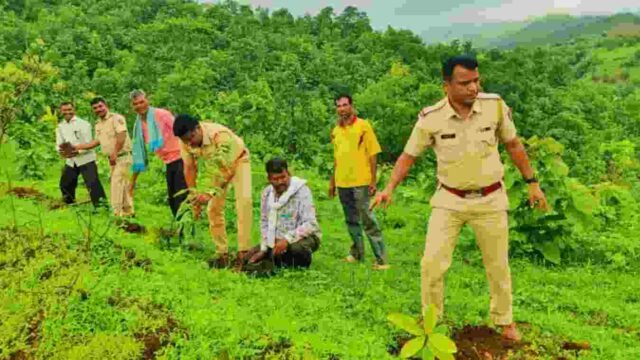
x=241 y=182
x=121 y=202
x=492 y=234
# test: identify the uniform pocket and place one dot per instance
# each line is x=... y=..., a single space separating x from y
x=487 y=139
x=448 y=147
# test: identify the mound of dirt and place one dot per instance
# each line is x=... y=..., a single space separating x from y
x=26 y=193
x=483 y=342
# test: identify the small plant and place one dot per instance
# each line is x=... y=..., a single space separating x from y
x=432 y=341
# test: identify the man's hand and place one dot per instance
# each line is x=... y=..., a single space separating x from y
x=112 y=158
x=281 y=247
x=67 y=154
x=537 y=198
x=202 y=199
x=259 y=256
x=383 y=198
x=372 y=188
x=332 y=190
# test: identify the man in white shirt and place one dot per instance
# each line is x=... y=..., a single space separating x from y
x=73 y=131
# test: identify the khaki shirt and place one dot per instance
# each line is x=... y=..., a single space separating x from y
x=106 y=131
x=466 y=150
x=221 y=149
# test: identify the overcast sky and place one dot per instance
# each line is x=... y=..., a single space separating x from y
x=420 y=15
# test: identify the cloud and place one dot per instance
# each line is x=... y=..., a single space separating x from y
x=518 y=10
x=433 y=7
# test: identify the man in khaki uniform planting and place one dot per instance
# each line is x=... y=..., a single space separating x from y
x=464 y=129
x=113 y=137
x=226 y=160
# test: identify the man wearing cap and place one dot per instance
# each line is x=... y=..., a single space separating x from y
x=113 y=137
x=226 y=162
x=464 y=129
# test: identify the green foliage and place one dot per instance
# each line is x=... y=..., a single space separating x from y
x=576 y=209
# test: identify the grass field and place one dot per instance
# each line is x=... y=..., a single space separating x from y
x=74 y=286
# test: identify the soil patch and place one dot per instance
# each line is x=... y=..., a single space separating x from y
x=130 y=226
x=484 y=343
x=159 y=338
x=26 y=193
x=31 y=193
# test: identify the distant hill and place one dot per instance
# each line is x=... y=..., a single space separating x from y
x=549 y=29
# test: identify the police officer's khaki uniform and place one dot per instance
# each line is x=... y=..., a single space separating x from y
x=226 y=159
x=106 y=131
x=468 y=159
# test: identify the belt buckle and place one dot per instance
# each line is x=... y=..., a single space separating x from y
x=473 y=194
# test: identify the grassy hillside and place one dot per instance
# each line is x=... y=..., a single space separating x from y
x=77 y=287
x=550 y=29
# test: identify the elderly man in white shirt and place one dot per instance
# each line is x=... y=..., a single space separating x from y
x=73 y=131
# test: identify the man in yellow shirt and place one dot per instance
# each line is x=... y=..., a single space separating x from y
x=355 y=149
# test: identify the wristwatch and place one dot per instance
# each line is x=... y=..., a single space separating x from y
x=531 y=180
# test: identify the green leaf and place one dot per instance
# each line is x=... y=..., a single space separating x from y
x=412 y=347
x=430 y=318
x=441 y=344
x=444 y=356
x=427 y=354
x=550 y=251
x=440 y=329
x=405 y=323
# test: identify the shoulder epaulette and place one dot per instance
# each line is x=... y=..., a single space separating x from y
x=488 y=96
x=430 y=109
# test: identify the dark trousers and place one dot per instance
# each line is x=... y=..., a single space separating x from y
x=175 y=183
x=355 y=204
x=69 y=182
x=298 y=255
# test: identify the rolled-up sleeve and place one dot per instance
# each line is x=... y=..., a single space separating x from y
x=506 y=128
x=421 y=138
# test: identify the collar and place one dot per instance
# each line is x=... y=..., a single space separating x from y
x=451 y=112
x=73 y=119
x=106 y=117
x=206 y=139
x=353 y=121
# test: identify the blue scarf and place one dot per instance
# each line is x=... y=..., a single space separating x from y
x=140 y=157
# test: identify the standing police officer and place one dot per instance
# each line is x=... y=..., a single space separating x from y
x=464 y=129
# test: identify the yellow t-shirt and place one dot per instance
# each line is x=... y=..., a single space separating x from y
x=353 y=146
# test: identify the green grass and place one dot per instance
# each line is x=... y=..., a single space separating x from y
x=612 y=63
x=97 y=303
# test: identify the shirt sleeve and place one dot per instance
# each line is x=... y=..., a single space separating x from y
x=506 y=129
x=187 y=157
x=421 y=138
x=119 y=124
x=59 y=139
x=165 y=118
x=264 y=219
x=371 y=141
x=307 y=224
x=228 y=143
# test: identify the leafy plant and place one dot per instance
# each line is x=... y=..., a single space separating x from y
x=430 y=341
